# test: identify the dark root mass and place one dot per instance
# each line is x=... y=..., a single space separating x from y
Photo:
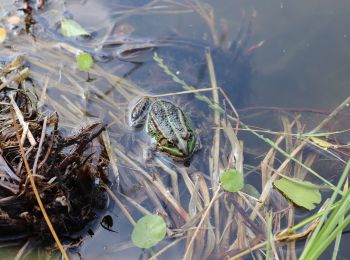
x=68 y=173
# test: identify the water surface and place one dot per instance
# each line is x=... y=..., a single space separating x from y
x=301 y=67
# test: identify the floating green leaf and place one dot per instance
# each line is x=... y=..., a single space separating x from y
x=2 y=34
x=84 y=61
x=303 y=193
x=232 y=180
x=71 y=28
x=148 y=231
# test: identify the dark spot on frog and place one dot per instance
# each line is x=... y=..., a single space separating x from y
x=185 y=135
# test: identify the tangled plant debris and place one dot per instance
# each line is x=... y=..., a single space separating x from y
x=68 y=171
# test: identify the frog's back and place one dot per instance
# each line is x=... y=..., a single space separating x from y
x=168 y=119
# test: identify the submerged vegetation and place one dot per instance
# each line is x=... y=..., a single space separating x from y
x=231 y=199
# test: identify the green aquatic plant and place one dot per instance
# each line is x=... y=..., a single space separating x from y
x=232 y=180
x=84 y=61
x=330 y=225
x=148 y=231
x=71 y=28
x=302 y=193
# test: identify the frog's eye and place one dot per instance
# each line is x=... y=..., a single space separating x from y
x=140 y=108
x=138 y=112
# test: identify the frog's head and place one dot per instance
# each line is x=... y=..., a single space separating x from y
x=181 y=148
x=181 y=145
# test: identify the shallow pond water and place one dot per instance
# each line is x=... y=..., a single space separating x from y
x=271 y=58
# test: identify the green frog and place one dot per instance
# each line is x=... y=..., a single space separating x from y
x=167 y=125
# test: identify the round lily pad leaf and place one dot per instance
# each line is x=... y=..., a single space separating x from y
x=84 y=61
x=232 y=180
x=148 y=231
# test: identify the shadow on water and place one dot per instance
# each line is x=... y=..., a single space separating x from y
x=283 y=65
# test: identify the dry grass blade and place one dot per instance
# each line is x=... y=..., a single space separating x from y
x=14 y=77
x=205 y=214
x=36 y=192
x=236 y=156
x=248 y=251
x=173 y=176
x=194 y=202
x=170 y=245
x=207 y=13
x=112 y=159
x=215 y=152
x=137 y=206
x=186 y=92
x=268 y=186
x=211 y=240
x=7 y=170
x=161 y=188
x=42 y=138
x=23 y=124
x=22 y=251
x=120 y=204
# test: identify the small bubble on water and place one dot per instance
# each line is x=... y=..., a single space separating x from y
x=177 y=72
